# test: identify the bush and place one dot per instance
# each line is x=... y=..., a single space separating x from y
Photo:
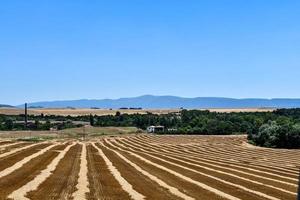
x=8 y=124
x=279 y=136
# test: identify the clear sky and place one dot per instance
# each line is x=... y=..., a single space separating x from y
x=75 y=49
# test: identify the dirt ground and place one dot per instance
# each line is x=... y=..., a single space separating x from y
x=142 y=166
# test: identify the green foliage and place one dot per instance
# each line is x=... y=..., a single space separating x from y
x=280 y=128
x=46 y=126
x=12 y=122
x=8 y=124
x=92 y=122
x=277 y=135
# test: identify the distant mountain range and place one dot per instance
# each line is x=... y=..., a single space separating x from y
x=159 y=102
x=5 y=106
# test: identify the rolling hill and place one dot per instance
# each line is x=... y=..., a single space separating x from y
x=5 y=106
x=159 y=102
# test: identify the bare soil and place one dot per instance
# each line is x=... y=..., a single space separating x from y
x=197 y=167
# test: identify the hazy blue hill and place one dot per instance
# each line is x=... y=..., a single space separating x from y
x=150 y=101
x=5 y=106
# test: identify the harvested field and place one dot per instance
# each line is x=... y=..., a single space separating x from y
x=86 y=111
x=147 y=167
x=82 y=111
x=65 y=133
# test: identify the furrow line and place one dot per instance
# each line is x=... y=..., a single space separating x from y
x=218 y=158
x=24 y=161
x=212 y=177
x=231 y=165
x=204 y=186
x=19 y=149
x=82 y=185
x=20 y=193
x=124 y=184
x=172 y=190
x=10 y=144
x=218 y=171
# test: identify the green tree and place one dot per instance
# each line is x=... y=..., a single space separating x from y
x=47 y=125
x=293 y=137
x=92 y=122
x=37 y=124
x=8 y=124
x=267 y=135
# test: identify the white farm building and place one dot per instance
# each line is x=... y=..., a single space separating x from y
x=155 y=129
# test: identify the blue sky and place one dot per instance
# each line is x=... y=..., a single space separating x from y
x=74 y=49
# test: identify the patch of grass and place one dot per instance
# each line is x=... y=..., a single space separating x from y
x=35 y=139
x=96 y=134
x=98 y=131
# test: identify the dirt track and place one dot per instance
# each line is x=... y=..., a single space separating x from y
x=148 y=167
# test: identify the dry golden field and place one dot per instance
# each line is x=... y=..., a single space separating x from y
x=79 y=111
x=147 y=167
x=76 y=112
x=70 y=133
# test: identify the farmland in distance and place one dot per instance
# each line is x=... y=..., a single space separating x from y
x=101 y=112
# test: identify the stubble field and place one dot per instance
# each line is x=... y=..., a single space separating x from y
x=99 y=112
x=147 y=167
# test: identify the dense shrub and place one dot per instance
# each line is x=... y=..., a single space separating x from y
x=275 y=135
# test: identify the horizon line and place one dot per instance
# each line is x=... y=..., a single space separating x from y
x=183 y=97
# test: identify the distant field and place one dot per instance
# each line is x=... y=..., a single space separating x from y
x=70 y=133
x=75 y=112
x=147 y=167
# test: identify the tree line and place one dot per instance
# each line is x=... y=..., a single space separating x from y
x=280 y=128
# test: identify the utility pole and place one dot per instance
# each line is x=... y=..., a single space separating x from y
x=26 y=117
